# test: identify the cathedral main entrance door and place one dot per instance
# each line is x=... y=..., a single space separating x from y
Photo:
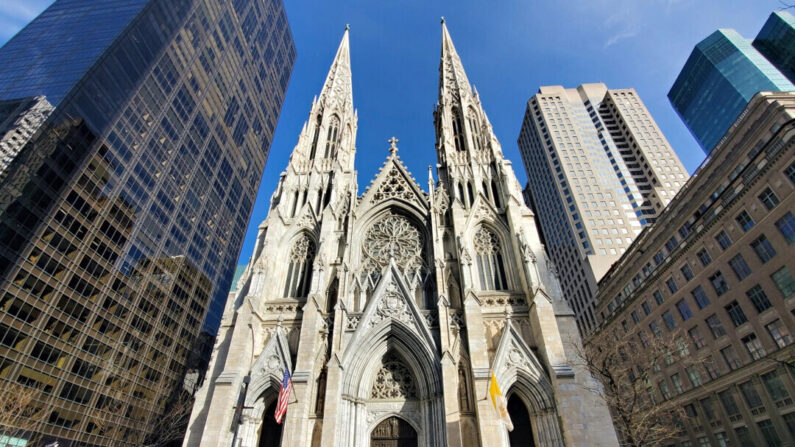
x=393 y=432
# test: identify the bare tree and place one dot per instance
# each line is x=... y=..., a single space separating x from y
x=625 y=366
x=20 y=412
x=173 y=422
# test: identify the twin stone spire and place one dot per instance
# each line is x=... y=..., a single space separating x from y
x=330 y=131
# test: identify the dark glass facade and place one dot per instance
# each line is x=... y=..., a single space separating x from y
x=722 y=74
x=776 y=41
x=122 y=218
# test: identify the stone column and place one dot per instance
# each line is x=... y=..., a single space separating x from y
x=488 y=423
x=296 y=431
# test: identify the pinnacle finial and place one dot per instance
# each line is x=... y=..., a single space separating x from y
x=347 y=27
x=443 y=19
x=393 y=145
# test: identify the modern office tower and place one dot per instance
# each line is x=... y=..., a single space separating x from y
x=717 y=268
x=724 y=72
x=392 y=310
x=19 y=120
x=122 y=217
x=599 y=170
x=776 y=41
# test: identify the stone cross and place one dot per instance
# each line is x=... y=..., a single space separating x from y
x=393 y=145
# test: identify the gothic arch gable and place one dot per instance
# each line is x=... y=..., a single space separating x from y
x=268 y=370
x=394 y=181
x=391 y=304
x=516 y=366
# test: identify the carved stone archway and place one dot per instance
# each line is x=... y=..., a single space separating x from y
x=391 y=369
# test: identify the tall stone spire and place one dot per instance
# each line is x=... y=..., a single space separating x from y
x=451 y=72
x=338 y=90
x=329 y=133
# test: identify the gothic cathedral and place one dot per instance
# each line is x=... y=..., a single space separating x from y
x=392 y=309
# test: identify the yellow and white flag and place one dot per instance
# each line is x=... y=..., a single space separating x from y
x=500 y=403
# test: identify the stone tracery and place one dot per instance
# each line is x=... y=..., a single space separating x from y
x=393 y=380
x=393 y=237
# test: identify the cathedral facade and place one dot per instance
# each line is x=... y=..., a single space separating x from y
x=391 y=309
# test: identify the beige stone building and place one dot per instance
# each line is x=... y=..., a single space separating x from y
x=392 y=308
x=718 y=267
x=599 y=171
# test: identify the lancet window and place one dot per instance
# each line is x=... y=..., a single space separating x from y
x=458 y=131
x=475 y=130
x=314 y=139
x=332 y=138
x=490 y=260
x=299 y=272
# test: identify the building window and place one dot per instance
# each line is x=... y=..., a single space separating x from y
x=768 y=198
x=763 y=248
x=694 y=375
x=731 y=358
x=775 y=386
x=658 y=298
x=672 y=287
x=715 y=326
x=712 y=367
x=703 y=441
x=687 y=272
x=655 y=329
x=789 y=419
x=666 y=393
x=704 y=257
x=736 y=313
x=668 y=319
x=707 y=404
x=790 y=172
x=701 y=297
x=744 y=221
x=698 y=339
x=677 y=381
x=740 y=267
x=744 y=436
x=299 y=272
x=646 y=307
x=758 y=298
x=786 y=225
x=754 y=346
x=729 y=404
x=784 y=281
x=723 y=439
x=723 y=240
x=490 y=260
x=779 y=333
x=684 y=309
x=769 y=433
x=719 y=283
x=659 y=257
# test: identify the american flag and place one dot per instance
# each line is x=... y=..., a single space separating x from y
x=284 y=397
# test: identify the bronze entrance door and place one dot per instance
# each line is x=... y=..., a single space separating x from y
x=393 y=432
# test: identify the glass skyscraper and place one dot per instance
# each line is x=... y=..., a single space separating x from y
x=776 y=41
x=122 y=217
x=720 y=77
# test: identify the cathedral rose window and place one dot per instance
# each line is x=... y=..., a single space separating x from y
x=392 y=237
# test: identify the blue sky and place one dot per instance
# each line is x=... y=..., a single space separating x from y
x=509 y=49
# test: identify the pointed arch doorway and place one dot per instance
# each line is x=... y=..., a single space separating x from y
x=393 y=432
x=522 y=434
x=271 y=432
